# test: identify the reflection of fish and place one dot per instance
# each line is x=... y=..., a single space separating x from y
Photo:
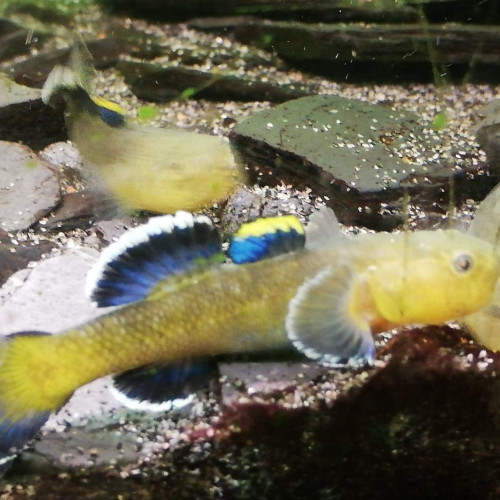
x=180 y=303
x=161 y=170
x=484 y=324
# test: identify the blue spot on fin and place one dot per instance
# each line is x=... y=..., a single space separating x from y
x=163 y=386
x=166 y=246
x=265 y=238
x=111 y=117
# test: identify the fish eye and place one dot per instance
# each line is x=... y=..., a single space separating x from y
x=463 y=263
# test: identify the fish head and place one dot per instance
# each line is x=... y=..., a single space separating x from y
x=433 y=277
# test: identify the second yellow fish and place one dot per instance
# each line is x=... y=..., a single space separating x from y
x=147 y=168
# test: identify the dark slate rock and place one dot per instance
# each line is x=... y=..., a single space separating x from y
x=43 y=12
x=488 y=138
x=219 y=24
x=461 y=11
x=381 y=53
x=155 y=83
x=78 y=210
x=28 y=189
x=362 y=158
x=141 y=44
x=15 y=255
x=16 y=40
x=327 y=11
x=487 y=131
x=24 y=118
x=75 y=210
x=34 y=71
x=317 y=12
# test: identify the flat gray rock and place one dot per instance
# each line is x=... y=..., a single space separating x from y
x=52 y=292
x=28 y=189
x=62 y=155
x=12 y=93
x=361 y=157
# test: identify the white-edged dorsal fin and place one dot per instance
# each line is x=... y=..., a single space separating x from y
x=165 y=246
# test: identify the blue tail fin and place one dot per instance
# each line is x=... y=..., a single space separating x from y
x=162 y=387
x=267 y=237
x=142 y=257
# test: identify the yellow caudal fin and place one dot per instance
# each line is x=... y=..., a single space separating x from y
x=22 y=408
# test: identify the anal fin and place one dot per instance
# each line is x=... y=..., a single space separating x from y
x=163 y=387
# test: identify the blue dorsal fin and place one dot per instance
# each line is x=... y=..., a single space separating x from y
x=165 y=246
x=163 y=387
x=266 y=237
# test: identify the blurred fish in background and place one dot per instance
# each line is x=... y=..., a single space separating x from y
x=145 y=168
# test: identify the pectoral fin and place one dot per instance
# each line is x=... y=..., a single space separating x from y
x=320 y=322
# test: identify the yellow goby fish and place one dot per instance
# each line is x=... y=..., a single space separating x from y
x=325 y=296
x=147 y=168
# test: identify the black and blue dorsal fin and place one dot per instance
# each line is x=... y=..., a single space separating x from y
x=143 y=256
x=163 y=387
x=266 y=237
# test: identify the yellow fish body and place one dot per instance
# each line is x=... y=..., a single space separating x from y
x=147 y=168
x=180 y=303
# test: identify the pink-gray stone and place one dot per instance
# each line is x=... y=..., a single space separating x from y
x=28 y=189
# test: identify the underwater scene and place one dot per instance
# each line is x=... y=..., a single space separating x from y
x=249 y=249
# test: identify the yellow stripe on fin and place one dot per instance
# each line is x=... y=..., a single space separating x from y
x=263 y=226
x=112 y=106
x=266 y=238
